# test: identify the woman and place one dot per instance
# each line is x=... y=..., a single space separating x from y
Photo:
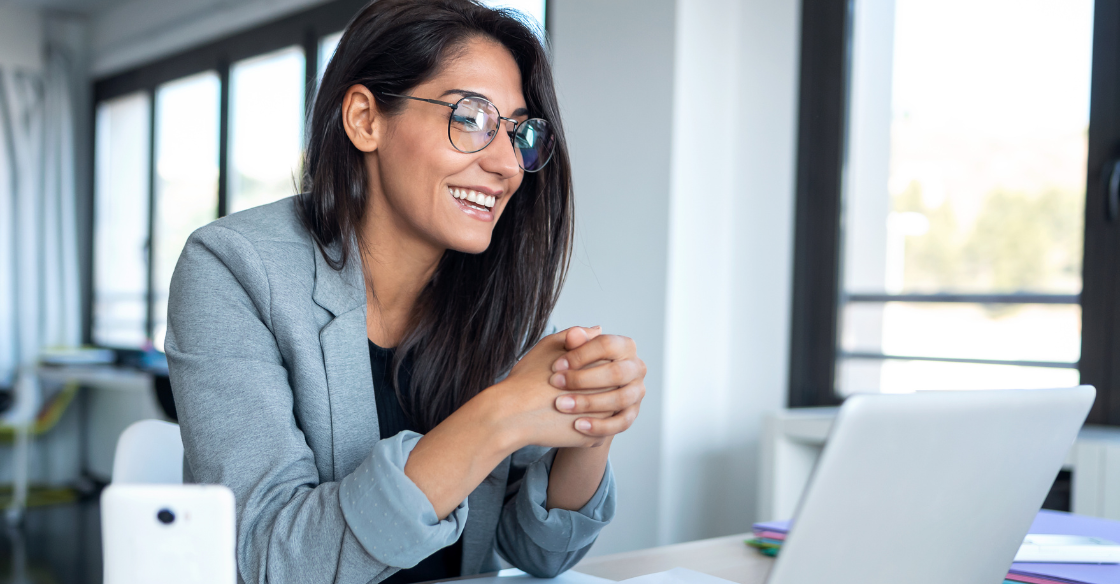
x=358 y=362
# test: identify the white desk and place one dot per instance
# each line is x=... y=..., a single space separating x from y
x=725 y=557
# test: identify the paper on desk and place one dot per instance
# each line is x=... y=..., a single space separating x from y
x=677 y=576
x=674 y=576
x=513 y=575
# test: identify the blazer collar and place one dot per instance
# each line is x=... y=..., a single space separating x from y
x=338 y=291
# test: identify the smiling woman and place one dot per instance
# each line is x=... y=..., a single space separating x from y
x=361 y=361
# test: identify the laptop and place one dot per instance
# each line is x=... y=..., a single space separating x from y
x=931 y=487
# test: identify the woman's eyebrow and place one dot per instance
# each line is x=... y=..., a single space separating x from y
x=468 y=93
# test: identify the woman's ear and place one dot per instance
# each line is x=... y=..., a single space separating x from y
x=361 y=118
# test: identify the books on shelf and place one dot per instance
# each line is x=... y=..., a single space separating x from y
x=769 y=536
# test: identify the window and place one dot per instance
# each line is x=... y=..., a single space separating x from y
x=186 y=185
x=190 y=138
x=942 y=196
x=185 y=140
x=266 y=127
x=965 y=195
x=119 y=308
x=327 y=45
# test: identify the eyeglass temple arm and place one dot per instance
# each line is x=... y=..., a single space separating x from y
x=435 y=101
x=444 y=103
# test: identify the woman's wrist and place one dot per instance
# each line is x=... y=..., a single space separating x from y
x=576 y=475
x=490 y=410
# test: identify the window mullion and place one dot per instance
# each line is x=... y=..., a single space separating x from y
x=223 y=137
x=149 y=322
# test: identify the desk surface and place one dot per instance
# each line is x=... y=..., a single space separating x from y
x=725 y=557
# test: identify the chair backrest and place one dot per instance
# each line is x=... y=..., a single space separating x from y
x=149 y=451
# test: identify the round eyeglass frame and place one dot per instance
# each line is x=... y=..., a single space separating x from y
x=454 y=106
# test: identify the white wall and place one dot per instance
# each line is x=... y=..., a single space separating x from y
x=21 y=38
x=731 y=242
x=681 y=119
x=614 y=75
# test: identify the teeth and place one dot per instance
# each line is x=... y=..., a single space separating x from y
x=473 y=196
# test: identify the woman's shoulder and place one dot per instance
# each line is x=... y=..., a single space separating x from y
x=264 y=241
x=265 y=252
x=276 y=222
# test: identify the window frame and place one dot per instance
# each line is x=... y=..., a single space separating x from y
x=818 y=297
x=303 y=29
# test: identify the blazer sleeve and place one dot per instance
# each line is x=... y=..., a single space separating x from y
x=235 y=407
x=545 y=542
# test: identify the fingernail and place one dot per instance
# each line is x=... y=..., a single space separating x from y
x=558 y=381
x=583 y=425
x=565 y=403
x=597 y=327
x=561 y=364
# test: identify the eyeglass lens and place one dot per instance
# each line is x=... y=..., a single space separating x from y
x=475 y=122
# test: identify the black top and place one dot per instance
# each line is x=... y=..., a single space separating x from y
x=446 y=562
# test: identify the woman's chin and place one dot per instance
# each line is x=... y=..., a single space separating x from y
x=472 y=245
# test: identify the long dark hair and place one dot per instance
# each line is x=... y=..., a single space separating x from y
x=480 y=312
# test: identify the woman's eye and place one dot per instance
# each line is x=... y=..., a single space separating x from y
x=468 y=124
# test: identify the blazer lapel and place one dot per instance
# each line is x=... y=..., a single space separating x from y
x=354 y=428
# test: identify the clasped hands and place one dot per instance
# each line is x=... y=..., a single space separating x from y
x=577 y=387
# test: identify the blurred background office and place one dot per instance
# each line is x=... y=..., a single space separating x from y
x=784 y=202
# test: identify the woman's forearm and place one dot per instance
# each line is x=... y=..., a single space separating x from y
x=575 y=476
x=450 y=461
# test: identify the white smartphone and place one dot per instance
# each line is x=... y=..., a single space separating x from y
x=174 y=534
x=1068 y=549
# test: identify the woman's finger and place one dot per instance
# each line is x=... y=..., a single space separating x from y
x=615 y=424
x=609 y=375
x=602 y=347
x=608 y=401
x=578 y=335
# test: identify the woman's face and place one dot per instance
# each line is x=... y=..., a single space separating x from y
x=416 y=173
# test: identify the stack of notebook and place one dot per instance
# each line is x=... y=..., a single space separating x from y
x=768 y=538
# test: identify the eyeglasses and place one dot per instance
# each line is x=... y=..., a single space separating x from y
x=474 y=122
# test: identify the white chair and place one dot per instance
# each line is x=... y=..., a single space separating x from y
x=149 y=451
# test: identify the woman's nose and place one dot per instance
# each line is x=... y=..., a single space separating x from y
x=500 y=157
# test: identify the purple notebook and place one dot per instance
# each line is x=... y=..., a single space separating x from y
x=776 y=526
x=1052 y=522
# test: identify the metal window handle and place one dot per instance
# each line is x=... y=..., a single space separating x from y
x=1112 y=193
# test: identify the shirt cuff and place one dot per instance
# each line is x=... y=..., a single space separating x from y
x=388 y=514
x=561 y=530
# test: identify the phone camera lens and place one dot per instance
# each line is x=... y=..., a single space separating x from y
x=165 y=516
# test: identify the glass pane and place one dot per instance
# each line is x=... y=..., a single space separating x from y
x=186 y=177
x=327 y=45
x=120 y=233
x=898 y=376
x=966 y=164
x=1008 y=332
x=266 y=128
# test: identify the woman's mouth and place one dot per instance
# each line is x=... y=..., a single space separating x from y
x=473 y=199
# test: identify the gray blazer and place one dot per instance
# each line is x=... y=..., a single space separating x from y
x=270 y=368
